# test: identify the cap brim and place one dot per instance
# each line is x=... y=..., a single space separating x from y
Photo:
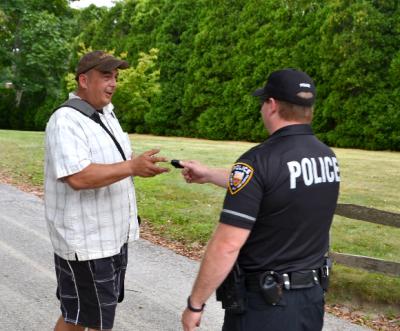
x=259 y=92
x=112 y=64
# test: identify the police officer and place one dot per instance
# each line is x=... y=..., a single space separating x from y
x=268 y=250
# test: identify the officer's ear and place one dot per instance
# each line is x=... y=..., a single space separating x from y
x=273 y=104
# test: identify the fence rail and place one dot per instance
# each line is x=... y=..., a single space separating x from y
x=368 y=214
x=374 y=216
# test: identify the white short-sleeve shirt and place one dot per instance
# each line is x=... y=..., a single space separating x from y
x=91 y=223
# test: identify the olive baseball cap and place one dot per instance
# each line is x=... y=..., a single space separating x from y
x=287 y=85
x=100 y=61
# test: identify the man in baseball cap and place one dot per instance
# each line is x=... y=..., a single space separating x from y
x=90 y=196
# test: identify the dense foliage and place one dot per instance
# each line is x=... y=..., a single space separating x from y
x=34 y=52
x=211 y=56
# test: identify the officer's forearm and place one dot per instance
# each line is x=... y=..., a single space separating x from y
x=213 y=270
x=219 y=177
x=221 y=254
x=99 y=175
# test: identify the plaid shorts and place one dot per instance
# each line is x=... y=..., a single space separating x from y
x=90 y=290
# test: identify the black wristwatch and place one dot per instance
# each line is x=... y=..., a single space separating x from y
x=195 y=310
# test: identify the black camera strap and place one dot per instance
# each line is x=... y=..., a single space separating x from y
x=86 y=109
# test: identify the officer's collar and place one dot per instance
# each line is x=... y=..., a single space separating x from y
x=291 y=130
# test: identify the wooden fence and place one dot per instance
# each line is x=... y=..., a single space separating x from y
x=374 y=216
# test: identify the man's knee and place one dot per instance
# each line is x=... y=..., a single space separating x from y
x=64 y=326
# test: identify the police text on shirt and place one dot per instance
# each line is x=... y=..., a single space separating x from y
x=314 y=171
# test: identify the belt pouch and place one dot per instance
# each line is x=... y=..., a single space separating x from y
x=271 y=287
x=232 y=292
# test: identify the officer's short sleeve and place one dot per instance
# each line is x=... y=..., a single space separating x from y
x=67 y=147
x=244 y=195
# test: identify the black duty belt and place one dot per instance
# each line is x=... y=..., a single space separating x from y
x=290 y=281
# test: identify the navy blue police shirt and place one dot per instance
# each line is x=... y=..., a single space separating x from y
x=285 y=191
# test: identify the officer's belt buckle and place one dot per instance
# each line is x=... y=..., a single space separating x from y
x=303 y=279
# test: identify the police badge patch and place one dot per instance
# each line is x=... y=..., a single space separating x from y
x=240 y=175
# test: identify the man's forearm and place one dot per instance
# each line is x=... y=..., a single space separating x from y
x=99 y=175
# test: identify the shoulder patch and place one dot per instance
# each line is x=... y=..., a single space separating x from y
x=240 y=175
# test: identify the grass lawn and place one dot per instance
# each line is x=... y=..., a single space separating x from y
x=188 y=213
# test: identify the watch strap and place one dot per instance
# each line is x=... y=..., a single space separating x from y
x=193 y=309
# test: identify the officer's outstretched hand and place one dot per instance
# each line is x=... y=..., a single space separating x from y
x=195 y=172
x=144 y=165
x=190 y=320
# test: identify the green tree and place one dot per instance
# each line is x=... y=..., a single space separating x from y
x=283 y=38
x=212 y=55
x=208 y=71
x=34 y=54
x=238 y=44
x=129 y=26
x=175 y=41
x=141 y=17
x=85 y=30
x=358 y=43
x=136 y=87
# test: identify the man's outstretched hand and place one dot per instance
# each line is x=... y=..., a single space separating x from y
x=144 y=165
